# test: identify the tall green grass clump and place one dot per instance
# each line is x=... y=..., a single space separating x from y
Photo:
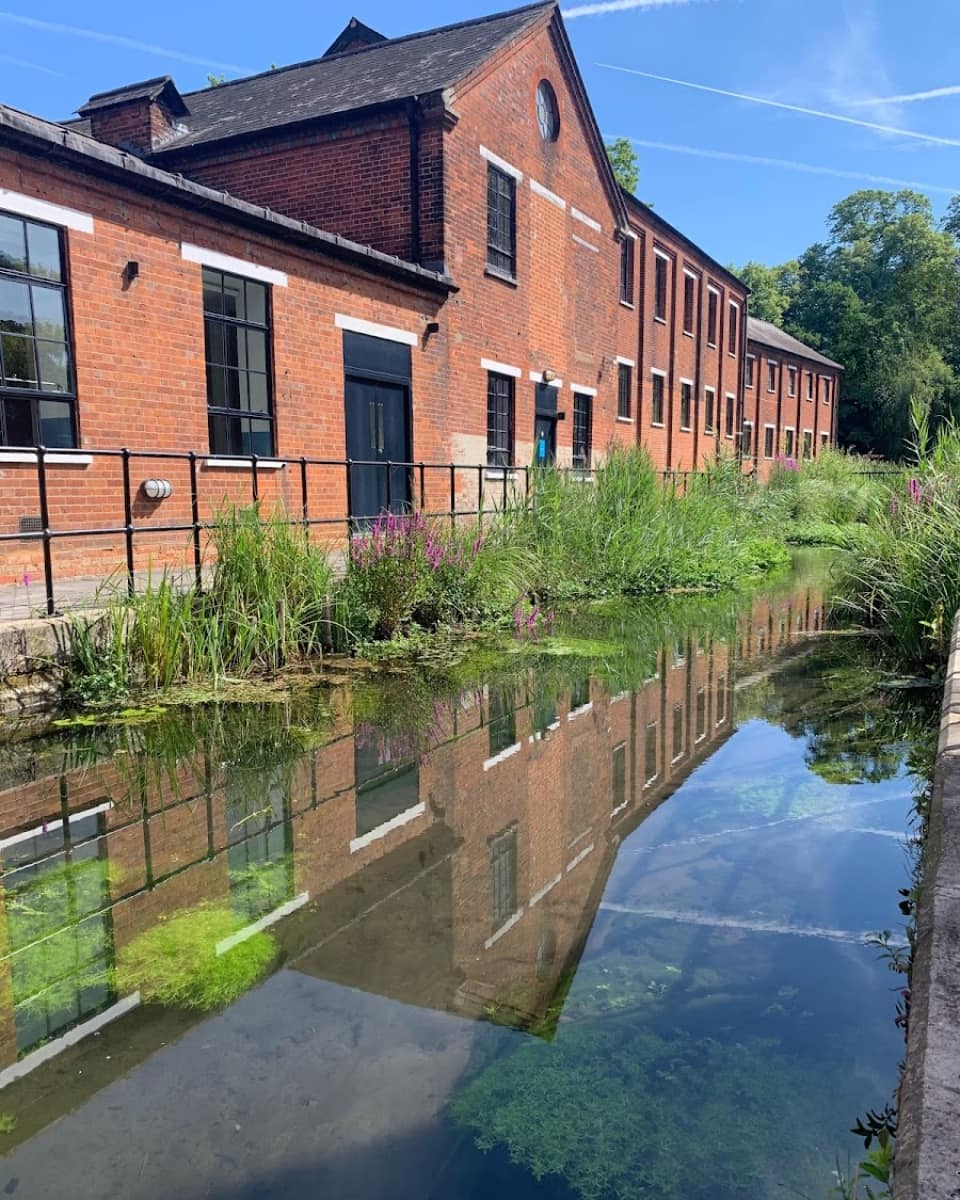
x=816 y=502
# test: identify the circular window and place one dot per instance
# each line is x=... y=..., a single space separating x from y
x=548 y=114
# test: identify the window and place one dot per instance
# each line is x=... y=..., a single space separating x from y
x=732 y=330
x=807 y=443
x=503 y=877
x=689 y=299
x=825 y=384
x=747 y=439
x=809 y=385
x=677 y=731
x=791 y=381
x=824 y=440
x=650 y=771
x=721 y=699
x=660 y=287
x=619 y=773
x=712 y=305
x=624 y=388
x=37 y=398
x=771 y=375
x=626 y=271
x=656 y=406
x=789 y=442
x=500 y=408
x=686 y=403
x=701 y=718
x=769 y=440
x=709 y=403
x=582 y=430
x=580 y=693
x=728 y=416
x=751 y=370
x=501 y=222
x=502 y=729
x=548 y=112
x=237 y=331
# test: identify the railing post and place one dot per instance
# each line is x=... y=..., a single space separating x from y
x=423 y=487
x=45 y=522
x=389 y=469
x=127 y=519
x=479 y=492
x=348 y=480
x=504 y=506
x=255 y=479
x=453 y=496
x=304 y=497
x=195 y=520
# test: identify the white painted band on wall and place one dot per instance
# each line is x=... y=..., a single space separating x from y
x=690 y=381
x=658 y=371
x=547 y=194
x=227 y=262
x=661 y=253
x=502 y=756
x=589 y=221
x=628 y=233
x=381 y=831
x=585 y=244
x=27 y=834
x=247 y=932
x=64 y=459
x=580 y=857
x=500 y=163
x=537 y=377
x=690 y=274
x=626 y=362
x=43 y=210
x=389 y=333
x=499 y=368
x=507 y=925
x=584 y=391
x=239 y=464
x=538 y=896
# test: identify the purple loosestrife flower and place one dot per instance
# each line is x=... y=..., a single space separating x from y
x=916 y=491
x=893 y=507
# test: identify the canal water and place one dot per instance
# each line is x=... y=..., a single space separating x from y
x=586 y=921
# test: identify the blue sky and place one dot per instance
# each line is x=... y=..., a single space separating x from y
x=744 y=179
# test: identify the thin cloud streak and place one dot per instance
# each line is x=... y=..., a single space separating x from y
x=789 y=165
x=612 y=6
x=913 y=97
x=796 y=108
x=114 y=39
x=30 y=66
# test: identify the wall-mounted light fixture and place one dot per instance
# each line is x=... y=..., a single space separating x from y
x=157 y=489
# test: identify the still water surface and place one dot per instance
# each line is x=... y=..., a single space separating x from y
x=587 y=926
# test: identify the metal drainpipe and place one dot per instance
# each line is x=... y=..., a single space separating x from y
x=413 y=117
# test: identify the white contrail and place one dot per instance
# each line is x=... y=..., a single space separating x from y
x=912 y=97
x=115 y=39
x=612 y=6
x=796 y=108
x=30 y=66
x=790 y=165
x=685 y=916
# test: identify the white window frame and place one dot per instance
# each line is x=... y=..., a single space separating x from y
x=793 y=449
x=658 y=253
x=825 y=379
x=772 y=387
x=663 y=376
x=736 y=308
x=753 y=449
x=688 y=274
x=803 y=454
x=751 y=363
x=711 y=290
x=733 y=433
x=811 y=387
x=713 y=428
x=769 y=457
x=689 y=383
x=791 y=381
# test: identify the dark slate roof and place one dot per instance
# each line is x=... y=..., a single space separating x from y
x=148 y=89
x=767 y=334
x=355 y=36
x=80 y=151
x=378 y=74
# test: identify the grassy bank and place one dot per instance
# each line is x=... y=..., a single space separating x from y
x=273 y=601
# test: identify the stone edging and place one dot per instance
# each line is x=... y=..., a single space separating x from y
x=928 y=1143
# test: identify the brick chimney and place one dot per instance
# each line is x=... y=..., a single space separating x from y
x=140 y=117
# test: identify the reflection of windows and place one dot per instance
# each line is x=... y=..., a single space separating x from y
x=502 y=728
x=619 y=776
x=544 y=710
x=260 y=846
x=677 y=731
x=650 y=770
x=56 y=890
x=503 y=876
x=721 y=699
x=580 y=693
x=387 y=785
x=701 y=728
x=35 y=353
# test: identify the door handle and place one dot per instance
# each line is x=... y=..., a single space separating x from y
x=380 y=413
x=373 y=425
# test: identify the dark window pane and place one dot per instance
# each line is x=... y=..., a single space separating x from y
x=19 y=362
x=258 y=397
x=48 y=316
x=212 y=292
x=233 y=390
x=213 y=332
x=501 y=221
x=256 y=303
x=686 y=397
x=677 y=730
x=650 y=753
x=500 y=403
x=708 y=398
x=54 y=367
x=619 y=776
x=56 y=424
x=233 y=305
x=626 y=271
x=44 y=251
x=259 y=437
x=502 y=729
x=15 y=307
x=660 y=287
x=503 y=877
x=656 y=409
x=624 y=388
x=712 y=318
x=232 y=338
x=13 y=252
x=237 y=361
x=689 y=292
x=224 y=434
x=582 y=431
x=18 y=422
x=256 y=350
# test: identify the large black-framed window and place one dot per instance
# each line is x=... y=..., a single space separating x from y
x=236 y=318
x=503 y=877
x=659 y=287
x=626 y=271
x=656 y=403
x=501 y=221
x=624 y=389
x=500 y=419
x=37 y=390
x=582 y=430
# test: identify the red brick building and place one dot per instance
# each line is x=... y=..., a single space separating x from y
x=407 y=250
x=790 y=398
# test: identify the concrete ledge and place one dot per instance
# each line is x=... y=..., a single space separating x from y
x=928 y=1144
x=33 y=652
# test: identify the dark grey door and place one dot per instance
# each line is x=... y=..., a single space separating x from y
x=378 y=434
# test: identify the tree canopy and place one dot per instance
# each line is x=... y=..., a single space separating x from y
x=880 y=295
x=626 y=166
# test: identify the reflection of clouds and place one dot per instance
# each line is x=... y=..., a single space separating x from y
x=749 y=925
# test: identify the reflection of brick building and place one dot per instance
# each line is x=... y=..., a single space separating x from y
x=465 y=880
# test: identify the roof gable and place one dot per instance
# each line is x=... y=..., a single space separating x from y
x=355 y=36
x=361 y=77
